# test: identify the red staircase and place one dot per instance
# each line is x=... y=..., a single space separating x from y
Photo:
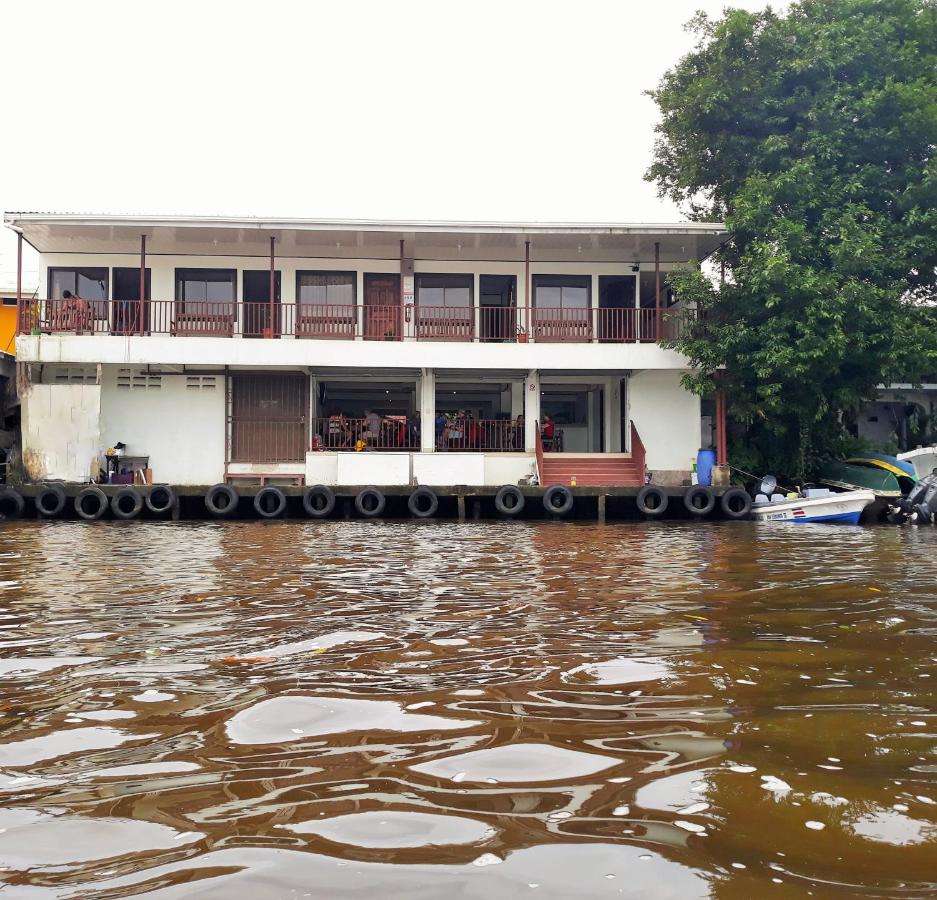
x=594 y=470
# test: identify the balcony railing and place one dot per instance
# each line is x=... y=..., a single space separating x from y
x=485 y=324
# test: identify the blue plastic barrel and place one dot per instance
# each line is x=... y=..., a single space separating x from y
x=705 y=461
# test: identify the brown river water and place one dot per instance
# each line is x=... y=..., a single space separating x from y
x=467 y=710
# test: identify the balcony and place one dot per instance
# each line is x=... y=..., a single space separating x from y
x=368 y=322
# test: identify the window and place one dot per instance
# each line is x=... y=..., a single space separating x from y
x=87 y=283
x=206 y=285
x=444 y=292
x=562 y=291
x=325 y=288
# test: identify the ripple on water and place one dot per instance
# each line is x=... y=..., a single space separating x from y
x=64 y=742
x=291 y=718
x=889 y=826
x=396 y=829
x=618 y=671
x=36 y=840
x=518 y=763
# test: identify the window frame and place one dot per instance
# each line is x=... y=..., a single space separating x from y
x=180 y=276
x=542 y=280
x=441 y=310
x=98 y=305
x=351 y=275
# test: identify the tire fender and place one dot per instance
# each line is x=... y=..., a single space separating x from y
x=12 y=503
x=91 y=503
x=370 y=502
x=736 y=503
x=160 y=499
x=699 y=501
x=50 y=502
x=558 y=499
x=309 y=501
x=119 y=506
x=652 y=501
x=415 y=500
x=221 y=500
x=510 y=500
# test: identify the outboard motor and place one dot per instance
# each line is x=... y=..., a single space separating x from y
x=919 y=506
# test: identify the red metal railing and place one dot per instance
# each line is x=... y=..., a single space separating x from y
x=444 y=323
x=489 y=324
x=343 y=433
x=469 y=434
x=638 y=453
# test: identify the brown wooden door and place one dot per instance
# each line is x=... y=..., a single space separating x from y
x=268 y=416
x=382 y=308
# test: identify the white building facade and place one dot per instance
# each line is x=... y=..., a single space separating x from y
x=353 y=353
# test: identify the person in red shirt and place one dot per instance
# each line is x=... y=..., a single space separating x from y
x=548 y=431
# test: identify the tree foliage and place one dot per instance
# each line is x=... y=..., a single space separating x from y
x=812 y=135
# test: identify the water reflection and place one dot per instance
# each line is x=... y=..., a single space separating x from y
x=482 y=709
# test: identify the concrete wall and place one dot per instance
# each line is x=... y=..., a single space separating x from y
x=61 y=436
x=667 y=418
x=439 y=469
x=178 y=420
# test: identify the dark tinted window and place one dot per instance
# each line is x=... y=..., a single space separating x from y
x=562 y=291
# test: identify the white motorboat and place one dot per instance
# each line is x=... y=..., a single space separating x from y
x=924 y=460
x=816 y=505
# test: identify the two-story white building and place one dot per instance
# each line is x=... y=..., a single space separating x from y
x=349 y=353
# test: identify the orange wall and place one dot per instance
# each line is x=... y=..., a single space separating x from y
x=8 y=329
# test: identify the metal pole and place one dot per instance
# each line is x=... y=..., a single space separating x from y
x=400 y=293
x=657 y=287
x=20 y=315
x=142 y=278
x=273 y=282
x=527 y=322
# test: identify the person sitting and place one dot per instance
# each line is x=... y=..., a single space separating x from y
x=548 y=432
x=372 y=422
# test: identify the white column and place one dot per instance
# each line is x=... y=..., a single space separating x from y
x=517 y=399
x=594 y=436
x=609 y=419
x=428 y=411
x=531 y=409
x=476 y=303
x=359 y=308
x=595 y=307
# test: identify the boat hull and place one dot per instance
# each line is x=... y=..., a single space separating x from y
x=843 y=508
x=860 y=478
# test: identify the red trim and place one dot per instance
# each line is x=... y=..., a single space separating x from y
x=638 y=453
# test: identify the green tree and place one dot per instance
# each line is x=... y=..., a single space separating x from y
x=812 y=135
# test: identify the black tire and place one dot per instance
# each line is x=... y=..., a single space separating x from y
x=652 y=501
x=269 y=502
x=558 y=500
x=50 y=502
x=510 y=500
x=319 y=501
x=370 y=502
x=699 y=501
x=12 y=503
x=91 y=503
x=161 y=499
x=736 y=503
x=423 y=503
x=127 y=503
x=221 y=500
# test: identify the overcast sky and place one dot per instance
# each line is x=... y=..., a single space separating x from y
x=506 y=110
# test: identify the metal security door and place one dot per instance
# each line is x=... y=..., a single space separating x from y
x=268 y=417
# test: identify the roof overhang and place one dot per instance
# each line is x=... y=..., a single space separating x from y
x=370 y=239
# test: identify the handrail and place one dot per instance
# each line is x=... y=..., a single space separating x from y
x=230 y=318
x=638 y=452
